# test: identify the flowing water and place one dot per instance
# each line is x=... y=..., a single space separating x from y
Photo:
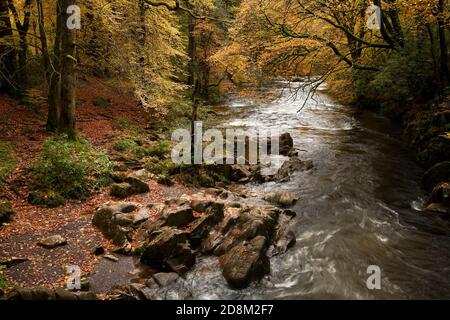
x=359 y=207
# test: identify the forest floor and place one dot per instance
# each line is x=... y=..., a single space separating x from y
x=24 y=128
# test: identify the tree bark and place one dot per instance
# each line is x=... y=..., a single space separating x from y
x=22 y=28
x=442 y=43
x=7 y=53
x=191 y=51
x=50 y=67
x=68 y=74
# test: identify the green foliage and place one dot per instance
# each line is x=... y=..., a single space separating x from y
x=7 y=161
x=123 y=145
x=158 y=166
x=123 y=123
x=3 y=283
x=101 y=102
x=72 y=169
x=159 y=149
x=49 y=199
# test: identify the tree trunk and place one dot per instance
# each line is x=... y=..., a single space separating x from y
x=50 y=67
x=68 y=76
x=191 y=51
x=7 y=53
x=442 y=43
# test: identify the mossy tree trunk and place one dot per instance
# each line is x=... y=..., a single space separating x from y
x=68 y=74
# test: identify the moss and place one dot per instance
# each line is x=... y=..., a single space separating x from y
x=50 y=199
x=157 y=166
x=124 y=145
x=101 y=102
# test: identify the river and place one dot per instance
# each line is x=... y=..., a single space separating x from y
x=360 y=206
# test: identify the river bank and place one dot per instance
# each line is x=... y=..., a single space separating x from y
x=359 y=204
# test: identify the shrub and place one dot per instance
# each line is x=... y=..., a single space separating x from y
x=158 y=150
x=7 y=161
x=101 y=102
x=72 y=169
x=123 y=145
x=158 y=166
x=123 y=123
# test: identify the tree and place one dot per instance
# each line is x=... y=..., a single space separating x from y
x=68 y=75
x=22 y=28
x=8 y=64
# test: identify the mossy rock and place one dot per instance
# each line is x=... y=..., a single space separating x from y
x=49 y=199
x=121 y=190
x=6 y=211
x=437 y=174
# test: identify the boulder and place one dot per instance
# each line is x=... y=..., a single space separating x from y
x=291 y=166
x=436 y=207
x=138 y=185
x=6 y=211
x=168 y=250
x=286 y=144
x=164 y=279
x=246 y=262
x=112 y=228
x=202 y=226
x=121 y=190
x=52 y=242
x=282 y=198
x=251 y=222
x=437 y=174
x=130 y=186
x=178 y=216
x=441 y=194
x=42 y=294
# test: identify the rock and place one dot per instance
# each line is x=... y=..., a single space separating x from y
x=99 y=250
x=251 y=222
x=436 y=207
x=11 y=262
x=282 y=198
x=6 y=211
x=52 y=242
x=137 y=185
x=246 y=262
x=125 y=249
x=284 y=239
x=151 y=283
x=291 y=166
x=177 y=216
x=165 y=181
x=201 y=227
x=437 y=174
x=121 y=190
x=111 y=257
x=141 y=216
x=105 y=219
x=440 y=193
x=200 y=205
x=286 y=144
x=124 y=219
x=130 y=186
x=240 y=173
x=42 y=294
x=164 y=279
x=167 y=249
